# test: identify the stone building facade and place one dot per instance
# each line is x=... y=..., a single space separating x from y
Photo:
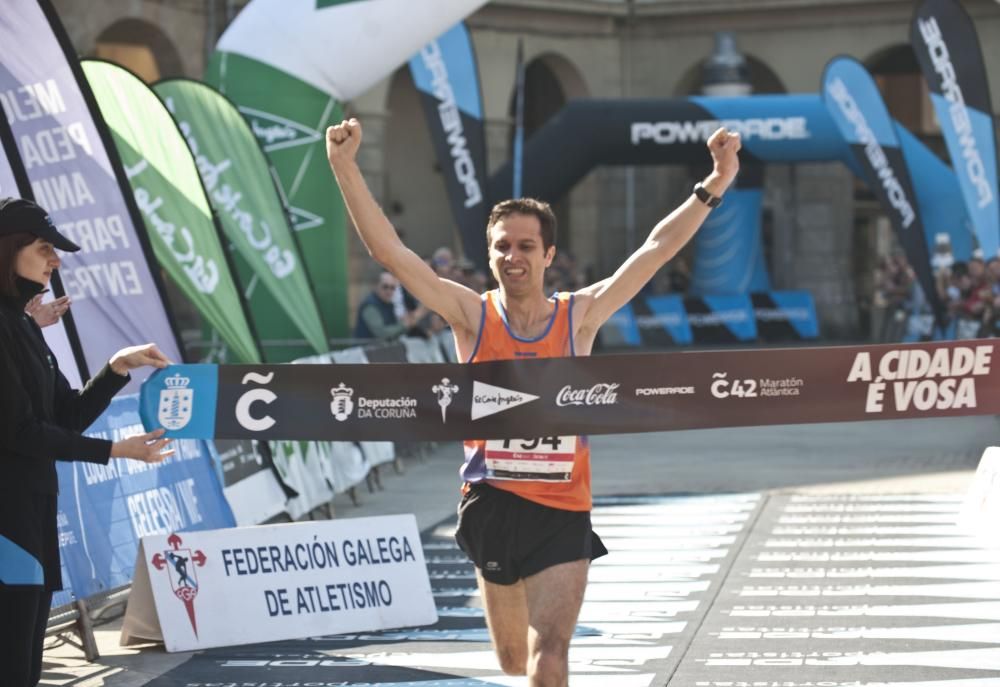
x=823 y=230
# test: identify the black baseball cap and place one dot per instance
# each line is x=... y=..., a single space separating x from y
x=21 y=215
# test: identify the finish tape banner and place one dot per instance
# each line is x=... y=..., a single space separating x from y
x=608 y=394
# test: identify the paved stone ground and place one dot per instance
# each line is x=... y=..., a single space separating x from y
x=764 y=557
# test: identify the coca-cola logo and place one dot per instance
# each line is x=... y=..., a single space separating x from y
x=602 y=394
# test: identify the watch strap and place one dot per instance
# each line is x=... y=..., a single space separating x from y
x=707 y=198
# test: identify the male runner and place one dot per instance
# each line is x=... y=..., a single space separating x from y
x=526 y=523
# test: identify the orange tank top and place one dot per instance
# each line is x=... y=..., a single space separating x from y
x=552 y=471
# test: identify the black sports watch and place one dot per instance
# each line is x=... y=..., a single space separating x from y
x=707 y=198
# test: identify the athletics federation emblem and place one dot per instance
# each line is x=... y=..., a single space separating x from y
x=181 y=565
x=175 y=402
x=444 y=392
x=342 y=405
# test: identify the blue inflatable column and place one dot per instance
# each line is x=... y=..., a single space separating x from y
x=729 y=250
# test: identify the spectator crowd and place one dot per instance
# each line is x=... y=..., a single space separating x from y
x=969 y=290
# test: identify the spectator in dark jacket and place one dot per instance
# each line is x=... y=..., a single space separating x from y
x=377 y=314
x=41 y=421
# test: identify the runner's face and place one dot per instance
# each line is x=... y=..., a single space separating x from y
x=36 y=261
x=517 y=256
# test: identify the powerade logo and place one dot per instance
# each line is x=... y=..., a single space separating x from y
x=720 y=317
x=764 y=129
x=659 y=320
x=958 y=112
x=451 y=122
x=873 y=151
x=782 y=314
x=664 y=391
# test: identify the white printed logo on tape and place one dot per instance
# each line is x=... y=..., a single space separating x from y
x=488 y=399
x=445 y=390
x=341 y=405
x=601 y=394
x=248 y=399
x=175 y=402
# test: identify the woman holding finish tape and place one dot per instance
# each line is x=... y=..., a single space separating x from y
x=41 y=421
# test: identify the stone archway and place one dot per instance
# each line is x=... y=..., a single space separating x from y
x=763 y=79
x=905 y=92
x=141 y=47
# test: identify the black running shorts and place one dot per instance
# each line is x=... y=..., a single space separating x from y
x=509 y=538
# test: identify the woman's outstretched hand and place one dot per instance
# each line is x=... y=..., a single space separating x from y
x=145 y=447
x=137 y=356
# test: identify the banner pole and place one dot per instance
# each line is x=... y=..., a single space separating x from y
x=519 y=121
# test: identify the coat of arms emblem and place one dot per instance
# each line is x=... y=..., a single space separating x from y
x=175 y=402
x=341 y=405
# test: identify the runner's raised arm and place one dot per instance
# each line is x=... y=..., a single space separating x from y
x=599 y=301
x=458 y=305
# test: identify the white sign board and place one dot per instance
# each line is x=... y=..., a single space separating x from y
x=981 y=508
x=270 y=582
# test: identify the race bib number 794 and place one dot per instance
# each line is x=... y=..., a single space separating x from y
x=546 y=459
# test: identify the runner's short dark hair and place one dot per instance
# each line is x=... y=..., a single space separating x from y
x=525 y=206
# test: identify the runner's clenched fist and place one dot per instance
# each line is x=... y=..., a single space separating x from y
x=342 y=141
x=724 y=146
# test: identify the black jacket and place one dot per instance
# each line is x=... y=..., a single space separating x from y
x=41 y=417
x=385 y=313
